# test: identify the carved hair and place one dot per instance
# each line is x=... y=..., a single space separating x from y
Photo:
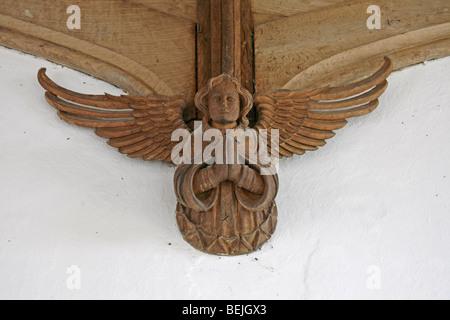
x=246 y=99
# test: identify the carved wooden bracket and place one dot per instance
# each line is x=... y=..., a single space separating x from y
x=223 y=208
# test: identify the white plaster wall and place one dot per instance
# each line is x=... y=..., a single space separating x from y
x=377 y=195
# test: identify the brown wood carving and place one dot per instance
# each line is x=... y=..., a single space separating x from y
x=224 y=208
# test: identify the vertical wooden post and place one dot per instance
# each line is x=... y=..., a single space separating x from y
x=231 y=37
x=224 y=41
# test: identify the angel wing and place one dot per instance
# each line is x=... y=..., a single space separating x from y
x=306 y=118
x=141 y=127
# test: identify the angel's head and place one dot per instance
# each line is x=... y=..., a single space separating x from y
x=224 y=101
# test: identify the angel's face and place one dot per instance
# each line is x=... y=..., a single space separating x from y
x=224 y=104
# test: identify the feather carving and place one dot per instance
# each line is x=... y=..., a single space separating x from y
x=140 y=127
x=306 y=118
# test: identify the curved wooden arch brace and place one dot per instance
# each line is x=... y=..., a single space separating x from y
x=142 y=46
x=353 y=64
x=88 y=57
x=333 y=45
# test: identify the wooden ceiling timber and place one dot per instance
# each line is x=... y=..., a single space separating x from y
x=186 y=9
x=131 y=44
x=84 y=62
x=269 y=10
x=149 y=46
x=224 y=41
x=286 y=48
x=405 y=49
x=85 y=49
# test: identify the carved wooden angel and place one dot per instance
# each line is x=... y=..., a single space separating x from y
x=224 y=209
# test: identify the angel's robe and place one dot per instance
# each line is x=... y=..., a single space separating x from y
x=225 y=217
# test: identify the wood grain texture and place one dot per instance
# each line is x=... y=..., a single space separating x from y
x=204 y=43
x=269 y=10
x=224 y=41
x=186 y=9
x=125 y=43
x=333 y=45
x=246 y=43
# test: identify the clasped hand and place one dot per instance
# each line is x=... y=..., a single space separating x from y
x=231 y=172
